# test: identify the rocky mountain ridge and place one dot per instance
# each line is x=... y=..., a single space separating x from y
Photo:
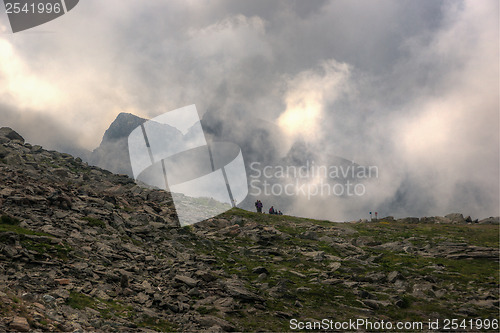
x=82 y=249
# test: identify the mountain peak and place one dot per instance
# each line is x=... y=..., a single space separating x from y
x=122 y=126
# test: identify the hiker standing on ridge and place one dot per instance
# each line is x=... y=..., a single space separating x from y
x=271 y=210
x=258 y=205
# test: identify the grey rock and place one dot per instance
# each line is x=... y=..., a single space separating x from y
x=315 y=255
x=394 y=276
x=48 y=299
x=312 y=235
x=3 y=152
x=142 y=298
x=409 y=220
x=190 y=282
x=260 y=270
x=365 y=241
x=9 y=133
x=456 y=218
x=235 y=289
x=19 y=324
x=210 y=321
x=490 y=220
x=334 y=266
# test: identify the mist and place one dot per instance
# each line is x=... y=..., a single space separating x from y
x=409 y=87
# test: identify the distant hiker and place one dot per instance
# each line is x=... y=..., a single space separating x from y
x=271 y=210
x=258 y=206
x=280 y=213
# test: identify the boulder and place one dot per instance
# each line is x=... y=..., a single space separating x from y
x=19 y=324
x=456 y=218
x=211 y=321
x=8 y=134
x=190 y=282
x=394 y=276
x=237 y=290
x=409 y=220
x=3 y=152
x=260 y=270
x=490 y=220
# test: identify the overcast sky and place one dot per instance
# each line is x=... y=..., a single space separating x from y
x=409 y=86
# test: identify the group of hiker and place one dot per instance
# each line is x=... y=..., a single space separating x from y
x=259 y=205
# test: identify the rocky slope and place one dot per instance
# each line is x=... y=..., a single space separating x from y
x=82 y=249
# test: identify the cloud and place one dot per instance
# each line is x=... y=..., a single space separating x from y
x=21 y=86
x=430 y=124
x=306 y=98
x=411 y=87
x=450 y=137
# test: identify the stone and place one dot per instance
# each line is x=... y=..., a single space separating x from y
x=365 y=294
x=210 y=321
x=334 y=266
x=260 y=270
x=371 y=304
x=456 y=218
x=124 y=281
x=409 y=220
x=60 y=172
x=19 y=324
x=315 y=255
x=365 y=241
x=62 y=282
x=238 y=291
x=490 y=220
x=3 y=152
x=142 y=298
x=10 y=134
x=312 y=235
x=190 y=282
x=48 y=299
x=394 y=276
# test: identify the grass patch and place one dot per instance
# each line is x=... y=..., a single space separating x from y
x=21 y=231
x=107 y=308
x=420 y=234
x=80 y=301
x=6 y=219
x=93 y=222
x=60 y=251
x=8 y=223
x=451 y=281
x=42 y=245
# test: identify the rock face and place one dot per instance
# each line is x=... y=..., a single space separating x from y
x=8 y=134
x=112 y=154
x=82 y=249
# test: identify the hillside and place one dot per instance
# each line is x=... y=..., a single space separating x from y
x=84 y=249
